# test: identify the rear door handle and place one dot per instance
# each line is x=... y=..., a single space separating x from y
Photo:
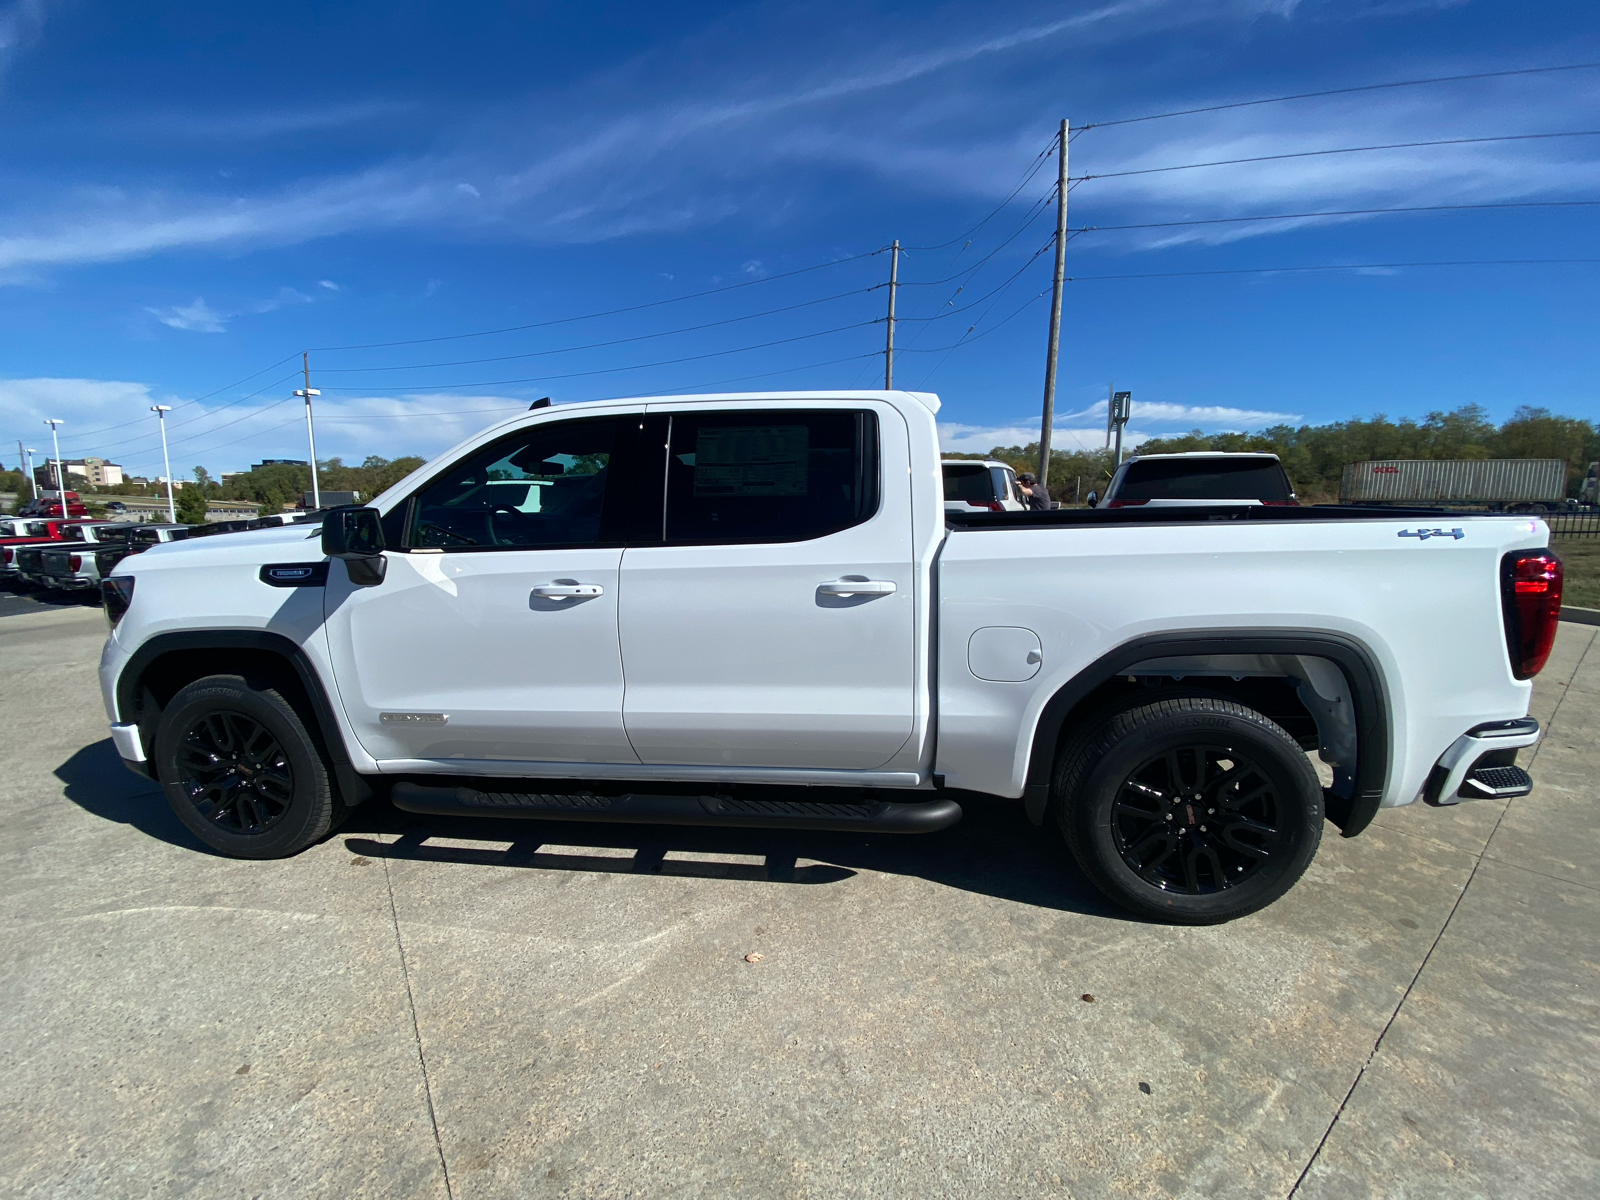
x=567 y=591
x=857 y=587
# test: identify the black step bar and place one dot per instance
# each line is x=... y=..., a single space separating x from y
x=879 y=816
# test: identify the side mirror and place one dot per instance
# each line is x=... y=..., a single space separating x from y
x=355 y=534
x=1092 y=499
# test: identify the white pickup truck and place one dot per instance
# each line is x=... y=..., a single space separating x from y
x=754 y=610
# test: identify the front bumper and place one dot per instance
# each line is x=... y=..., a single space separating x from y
x=1480 y=764
x=131 y=749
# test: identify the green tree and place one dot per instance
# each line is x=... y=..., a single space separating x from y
x=191 y=500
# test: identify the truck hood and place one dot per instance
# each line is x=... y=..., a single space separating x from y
x=276 y=543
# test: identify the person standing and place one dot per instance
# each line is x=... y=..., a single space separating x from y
x=1034 y=494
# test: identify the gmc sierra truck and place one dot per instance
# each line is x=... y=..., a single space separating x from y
x=754 y=610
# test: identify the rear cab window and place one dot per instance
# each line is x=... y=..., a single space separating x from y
x=1260 y=479
x=972 y=483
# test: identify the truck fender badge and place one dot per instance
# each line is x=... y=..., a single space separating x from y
x=414 y=718
x=1425 y=534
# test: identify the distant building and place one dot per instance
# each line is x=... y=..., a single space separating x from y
x=280 y=462
x=95 y=472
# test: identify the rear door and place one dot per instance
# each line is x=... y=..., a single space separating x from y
x=768 y=614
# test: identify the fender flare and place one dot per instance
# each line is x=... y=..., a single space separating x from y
x=352 y=785
x=1360 y=669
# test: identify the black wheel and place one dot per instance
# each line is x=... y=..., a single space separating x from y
x=1192 y=810
x=241 y=771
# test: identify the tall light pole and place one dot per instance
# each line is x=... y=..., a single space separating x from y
x=311 y=433
x=161 y=411
x=61 y=475
x=33 y=484
x=1055 y=311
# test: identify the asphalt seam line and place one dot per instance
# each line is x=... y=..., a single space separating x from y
x=1423 y=965
x=416 y=1032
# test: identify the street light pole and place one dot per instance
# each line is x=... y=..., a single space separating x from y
x=161 y=411
x=33 y=484
x=61 y=475
x=311 y=434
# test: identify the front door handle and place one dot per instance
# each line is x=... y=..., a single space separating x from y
x=568 y=591
x=857 y=587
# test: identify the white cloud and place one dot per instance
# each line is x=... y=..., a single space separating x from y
x=329 y=284
x=199 y=317
x=1085 y=429
x=284 y=296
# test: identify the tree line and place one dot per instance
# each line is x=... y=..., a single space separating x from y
x=1315 y=455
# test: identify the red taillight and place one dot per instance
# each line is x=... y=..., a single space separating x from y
x=75 y=562
x=1531 y=597
x=996 y=506
x=8 y=553
x=1125 y=503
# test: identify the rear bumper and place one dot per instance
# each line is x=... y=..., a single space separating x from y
x=1483 y=747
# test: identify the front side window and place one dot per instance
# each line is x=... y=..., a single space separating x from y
x=769 y=475
x=545 y=486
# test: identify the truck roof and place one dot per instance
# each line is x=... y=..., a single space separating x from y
x=1211 y=454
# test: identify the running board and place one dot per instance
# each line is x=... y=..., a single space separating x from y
x=882 y=816
x=1497 y=783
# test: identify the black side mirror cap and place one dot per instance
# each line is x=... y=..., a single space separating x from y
x=355 y=534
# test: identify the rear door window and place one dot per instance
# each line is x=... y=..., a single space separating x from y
x=1204 y=479
x=969 y=482
x=769 y=476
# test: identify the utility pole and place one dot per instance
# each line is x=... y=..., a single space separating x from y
x=1117 y=412
x=161 y=411
x=311 y=434
x=61 y=475
x=33 y=487
x=1055 y=312
x=894 y=282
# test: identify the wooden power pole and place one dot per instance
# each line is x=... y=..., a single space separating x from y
x=894 y=283
x=1055 y=312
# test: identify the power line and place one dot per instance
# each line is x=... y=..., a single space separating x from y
x=88 y=433
x=643 y=337
x=609 y=312
x=1369 y=87
x=1227 y=162
x=1466 y=262
x=613 y=370
x=1033 y=169
x=1347 y=212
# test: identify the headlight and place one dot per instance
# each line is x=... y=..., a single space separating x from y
x=117 y=592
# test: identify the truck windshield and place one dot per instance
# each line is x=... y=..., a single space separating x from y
x=970 y=482
x=1205 y=479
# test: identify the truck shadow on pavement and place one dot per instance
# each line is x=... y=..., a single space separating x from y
x=97 y=782
x=994 y=851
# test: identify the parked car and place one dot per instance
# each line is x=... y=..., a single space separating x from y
x=974 y=485
x=29 y=560
x=1198 y=477
x=776 y=624
x=50 y=506
x=74 y=568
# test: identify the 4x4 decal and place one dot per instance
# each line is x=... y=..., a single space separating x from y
x=1425 y=534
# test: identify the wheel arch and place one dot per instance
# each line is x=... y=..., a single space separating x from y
x=1355 y=662
x=169 y=661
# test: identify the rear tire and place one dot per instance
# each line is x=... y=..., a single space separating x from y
x=1191 y=811
x=241 y=771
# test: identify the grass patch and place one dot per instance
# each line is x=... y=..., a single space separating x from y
x=1581 y=558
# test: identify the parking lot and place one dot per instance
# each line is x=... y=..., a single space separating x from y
x=418 y=1007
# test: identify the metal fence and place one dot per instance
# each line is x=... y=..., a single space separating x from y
x=1584 y=524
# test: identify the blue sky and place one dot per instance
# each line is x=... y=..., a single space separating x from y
x=194 y=191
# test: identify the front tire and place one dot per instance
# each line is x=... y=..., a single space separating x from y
x=1191 y=811
x=241 y=771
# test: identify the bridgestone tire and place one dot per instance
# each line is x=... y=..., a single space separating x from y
x=274 y=797
x=1191 y=811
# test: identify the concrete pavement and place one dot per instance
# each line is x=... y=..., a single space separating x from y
x=419 y=1007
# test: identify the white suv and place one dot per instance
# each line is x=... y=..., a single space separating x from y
x=980 y=485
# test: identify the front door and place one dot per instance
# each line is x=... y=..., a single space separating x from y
x=494 y=634
x=773 y=625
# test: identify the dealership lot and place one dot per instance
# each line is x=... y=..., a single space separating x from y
x=420 y=1007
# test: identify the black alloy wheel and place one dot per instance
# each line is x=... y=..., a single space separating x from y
x=1190 y=809
x=235 y=773
x=1196 y=819
x=242 y=770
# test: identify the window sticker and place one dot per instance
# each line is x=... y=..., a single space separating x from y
x=751 y=460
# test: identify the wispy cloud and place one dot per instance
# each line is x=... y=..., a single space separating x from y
x=21 y=22
x=198 y=317
x=1085 y=428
